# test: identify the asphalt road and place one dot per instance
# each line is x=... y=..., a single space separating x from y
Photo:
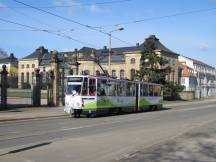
x=99 y=139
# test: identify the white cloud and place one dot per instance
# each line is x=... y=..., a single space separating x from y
x=204 y=47
x=73 y=5
x=76 y=5
x=95 y=9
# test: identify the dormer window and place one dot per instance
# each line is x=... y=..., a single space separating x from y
x=133 y=61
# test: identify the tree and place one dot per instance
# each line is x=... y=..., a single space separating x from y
x=153 y=68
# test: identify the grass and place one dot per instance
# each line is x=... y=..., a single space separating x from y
x=24 y=93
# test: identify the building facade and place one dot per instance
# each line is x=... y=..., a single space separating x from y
x=27 y=66
x=198 y=77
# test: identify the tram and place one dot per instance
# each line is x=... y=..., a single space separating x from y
x=103 y=95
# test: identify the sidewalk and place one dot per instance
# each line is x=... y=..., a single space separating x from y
x=47 y=112
x=31 y=113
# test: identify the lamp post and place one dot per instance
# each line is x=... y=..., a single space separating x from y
x=110 y=44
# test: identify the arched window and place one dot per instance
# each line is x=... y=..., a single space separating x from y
x=121 y=74
x=27 y=77
x=106 y=72
x=70 y=72
x=133 y=74
x=86 y=72
x=114 y=73
x=27 y=66
x=22 y=77
x=133 y=61
x=33 y=65
x=97 y=73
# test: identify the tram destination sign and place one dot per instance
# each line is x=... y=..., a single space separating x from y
x=74 y=79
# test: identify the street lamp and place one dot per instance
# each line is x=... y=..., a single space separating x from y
x=110 y=36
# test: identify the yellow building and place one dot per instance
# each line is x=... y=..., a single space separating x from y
x=125 y=61
x=27 y=65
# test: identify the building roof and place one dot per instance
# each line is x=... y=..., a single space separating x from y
x=200 y=62
x=37 y=54
x=117 y=54
x=9 y=59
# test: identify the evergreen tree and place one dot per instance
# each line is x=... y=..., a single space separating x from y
x=153 y=68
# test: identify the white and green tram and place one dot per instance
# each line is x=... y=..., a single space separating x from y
x=103 y=95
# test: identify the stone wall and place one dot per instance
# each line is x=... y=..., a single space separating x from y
x=187 y=95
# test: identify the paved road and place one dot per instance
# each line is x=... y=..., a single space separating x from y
x=99 y=139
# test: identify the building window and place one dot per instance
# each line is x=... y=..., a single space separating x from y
x=22 y=78
x=86 y=72
x=22 y=66
x=121 y=74
x=27 y=66
x=106 y=72
x=114 y=73
x=133 y=61
x=44 y=69
x=97 y=73
x=70 y=72
x=27 y=77
x=33 y=65
x=133 y=74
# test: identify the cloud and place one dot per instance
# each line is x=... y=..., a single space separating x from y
x=76 y=5
x=73 y=5
x=204 y=47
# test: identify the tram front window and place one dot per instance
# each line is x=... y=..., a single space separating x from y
x=70 y=88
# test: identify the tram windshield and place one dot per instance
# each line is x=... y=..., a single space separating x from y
x=71 y=88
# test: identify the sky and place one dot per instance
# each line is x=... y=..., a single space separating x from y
x=186 y=27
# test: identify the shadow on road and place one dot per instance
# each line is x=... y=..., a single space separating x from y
x=197 y=146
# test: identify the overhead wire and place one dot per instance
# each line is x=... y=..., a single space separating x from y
x=47 y=31
x=72 y=5
x=71 y=20
x=161 y=17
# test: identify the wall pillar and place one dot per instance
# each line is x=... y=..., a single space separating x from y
x=55 y=69
x=4 y=86
x=37 y=89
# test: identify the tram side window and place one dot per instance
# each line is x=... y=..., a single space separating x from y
x=102 y=88
x=129 y=91
x=157 y=90
x=141 y=89
x=92 y=87
x=112 y=88
x=151 y=90
x=145 y=90
x=122 y=88
x=133 y=89
x=85 y=87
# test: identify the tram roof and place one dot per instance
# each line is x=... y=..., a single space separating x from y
x=110 y=78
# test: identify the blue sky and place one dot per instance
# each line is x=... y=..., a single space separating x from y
x=192 y=35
